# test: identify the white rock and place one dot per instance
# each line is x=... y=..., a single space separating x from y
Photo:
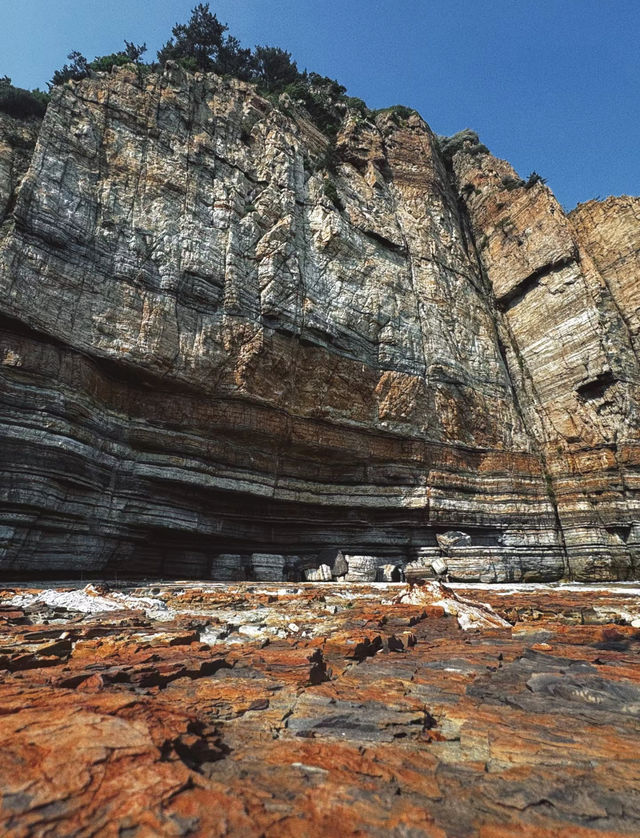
x=361 y=568
x=389 y=573
x=439 y=566
x=469 y=614
x=318 y=574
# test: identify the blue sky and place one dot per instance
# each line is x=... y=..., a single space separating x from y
x=550 y=85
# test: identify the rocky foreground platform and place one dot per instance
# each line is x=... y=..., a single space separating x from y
x=369 y=710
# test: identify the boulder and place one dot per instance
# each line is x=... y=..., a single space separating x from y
x=318 y=574
x=227 y=567
x=361 y=568
x=389 y=573
x=268 y=567
x=439 y=566
x=453 y=538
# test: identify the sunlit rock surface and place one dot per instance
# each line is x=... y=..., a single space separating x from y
x=223 y=343
x=320 y=709
x=565 y=290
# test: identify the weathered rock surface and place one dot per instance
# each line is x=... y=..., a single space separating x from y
x=17 y=142
x=206 y=355
x=310 y=710
x=567 y=328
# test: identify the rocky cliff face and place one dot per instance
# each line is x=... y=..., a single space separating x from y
x=17 y=141
x=220 y=337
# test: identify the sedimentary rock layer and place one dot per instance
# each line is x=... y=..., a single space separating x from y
x=569 y=344
x=289 y=710
x=223 y=334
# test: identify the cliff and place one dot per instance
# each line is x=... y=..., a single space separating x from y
x=222 y=337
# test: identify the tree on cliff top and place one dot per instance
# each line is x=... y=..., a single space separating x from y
x=196 y=44
x=80 y=67
x=21 y=103
x=274 y=68
x=235 y=61
x=201 y=44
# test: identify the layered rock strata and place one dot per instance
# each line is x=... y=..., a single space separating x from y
x=568 y=319
x=320 y=710
x=224 y=337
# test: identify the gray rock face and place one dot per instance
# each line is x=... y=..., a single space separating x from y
x=17 y=142
x=203 y=355
x=268 y=567
x=227 y=568
x=362 y=568
x=568 y=323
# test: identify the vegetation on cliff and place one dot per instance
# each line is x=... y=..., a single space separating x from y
x=21 y=103
x=203 y=44
x=81 y=68
x=466 y=140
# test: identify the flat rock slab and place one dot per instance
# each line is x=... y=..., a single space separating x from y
x=320 y=709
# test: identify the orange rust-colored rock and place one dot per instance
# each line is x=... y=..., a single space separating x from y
x=529 y=728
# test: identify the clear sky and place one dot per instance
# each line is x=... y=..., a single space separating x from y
x=550 y=85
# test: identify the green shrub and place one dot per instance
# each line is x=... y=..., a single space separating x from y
x=510 y=183
x=77 y=70
x=402 y=111
x=467 y=141
x=80 y=68
x=469 y=189
x=399 y=113
x=322 y=98
x=534 y=178
x=355 y=104
x=21 y=103
x=130 y=55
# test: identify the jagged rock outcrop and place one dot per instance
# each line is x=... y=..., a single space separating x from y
x=17 y=141
x=217 y=341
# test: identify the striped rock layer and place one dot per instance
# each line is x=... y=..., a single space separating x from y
x=217 y=342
